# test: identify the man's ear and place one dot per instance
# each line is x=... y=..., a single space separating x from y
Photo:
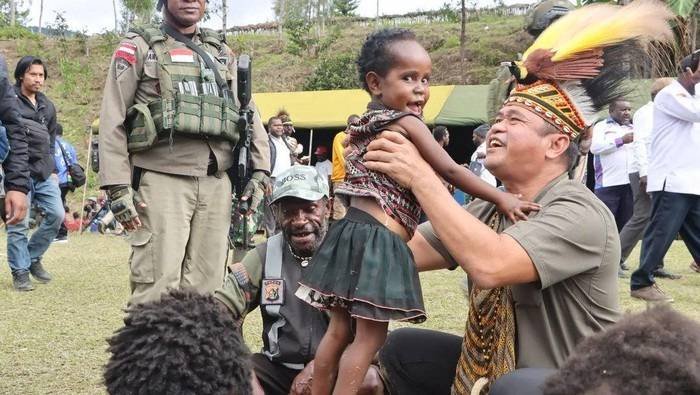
x=373 y=81
x=558 y=144
x=328 y=208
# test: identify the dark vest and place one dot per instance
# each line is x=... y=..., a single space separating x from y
x=292 y=329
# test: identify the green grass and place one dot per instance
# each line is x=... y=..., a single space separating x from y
x=52 y=340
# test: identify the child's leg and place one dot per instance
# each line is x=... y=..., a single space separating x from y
x=369 y=337
x=329 y=351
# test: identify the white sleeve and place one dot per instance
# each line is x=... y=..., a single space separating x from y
x=642 y=132
x=679 y=105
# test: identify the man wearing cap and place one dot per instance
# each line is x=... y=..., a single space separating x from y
x=268 y=276
x=168 y=129
x=323 y=165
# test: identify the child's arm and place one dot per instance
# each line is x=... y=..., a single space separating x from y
x=459 y=176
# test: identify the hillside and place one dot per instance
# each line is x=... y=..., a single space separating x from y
x=77 y=66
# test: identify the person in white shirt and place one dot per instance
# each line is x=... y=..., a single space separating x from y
x=476 y=165
x=634 y=228
x=610 y=146
x=673 y=178
x=323 y=164
x=280 y=161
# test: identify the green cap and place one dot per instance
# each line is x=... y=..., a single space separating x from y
x=301 y=182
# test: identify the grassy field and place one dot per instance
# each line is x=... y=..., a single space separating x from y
x=52 y=340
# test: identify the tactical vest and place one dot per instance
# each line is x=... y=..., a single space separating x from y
x=191 y=103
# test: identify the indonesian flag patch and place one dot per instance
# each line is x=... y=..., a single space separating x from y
x=181 y=55
x=127 y=52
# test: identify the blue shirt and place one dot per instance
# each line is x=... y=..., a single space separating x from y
x=60 y=161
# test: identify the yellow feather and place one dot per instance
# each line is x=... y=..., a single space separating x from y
x=563 y=29
x=641 y=19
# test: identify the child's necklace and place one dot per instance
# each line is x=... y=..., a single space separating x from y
x=304 y=260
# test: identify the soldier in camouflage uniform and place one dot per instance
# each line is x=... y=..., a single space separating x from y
x=168 y=127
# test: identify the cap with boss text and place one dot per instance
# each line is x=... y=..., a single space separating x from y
x=301 y=182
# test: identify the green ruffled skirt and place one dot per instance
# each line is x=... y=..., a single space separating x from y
x=365 y=268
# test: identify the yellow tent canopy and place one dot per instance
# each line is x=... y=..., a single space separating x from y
x=330 y=109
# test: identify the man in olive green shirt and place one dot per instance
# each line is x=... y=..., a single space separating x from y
x=173 y=193
x=560 y=264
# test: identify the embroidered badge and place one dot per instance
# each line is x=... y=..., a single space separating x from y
x=151 y=56
x=126 y=51
x=272 y=291
x=181 y=55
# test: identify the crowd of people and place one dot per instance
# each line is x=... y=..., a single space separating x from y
x=345 y=237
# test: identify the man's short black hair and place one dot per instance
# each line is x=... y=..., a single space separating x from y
x=24 y=64
x=655 y=352
x=691 y=61
x=183 y=344
x=613 y=104
x=439 y=132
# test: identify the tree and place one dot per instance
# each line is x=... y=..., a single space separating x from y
x=345 y=7
x=41 y=13
x=139 y=11
x=13 y=12
x=116 y=19
x=463 y=42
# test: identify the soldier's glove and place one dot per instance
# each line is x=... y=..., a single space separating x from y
x=123 y=208
x=254 y=191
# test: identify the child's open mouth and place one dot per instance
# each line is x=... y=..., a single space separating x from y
x=416 y=107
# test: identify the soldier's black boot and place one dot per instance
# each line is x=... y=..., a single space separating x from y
x=37 y=270
x=21 y=281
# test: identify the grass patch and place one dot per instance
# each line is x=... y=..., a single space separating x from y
x=52 y=340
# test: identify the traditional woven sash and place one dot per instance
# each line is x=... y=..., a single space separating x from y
x=488 y=348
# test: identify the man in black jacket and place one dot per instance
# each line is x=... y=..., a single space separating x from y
x=15 y=166
x=39 y=116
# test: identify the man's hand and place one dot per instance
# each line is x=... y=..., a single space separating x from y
x=628 y=138
x=124 y=204
x=395 y=156
x=16 y=204
x=302 y=382
x=643 y=184
x=255 y=190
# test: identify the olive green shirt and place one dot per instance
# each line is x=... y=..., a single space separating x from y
x=574 y=245
x=128 y=84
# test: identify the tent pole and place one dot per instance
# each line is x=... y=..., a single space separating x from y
x=87 y=172
x=311 y=142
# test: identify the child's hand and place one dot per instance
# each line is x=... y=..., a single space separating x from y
x=515 y=209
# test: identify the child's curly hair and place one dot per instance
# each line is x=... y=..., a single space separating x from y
x=375 y=55
x=183 y=344
x=655 y=352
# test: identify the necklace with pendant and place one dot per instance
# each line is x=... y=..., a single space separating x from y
x=304 y=259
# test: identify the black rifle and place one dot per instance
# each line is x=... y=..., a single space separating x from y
x=245 y=126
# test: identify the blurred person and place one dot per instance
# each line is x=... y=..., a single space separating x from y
x=632 y=232
x=612 y=150
x=281 y=159
x=338 y=173
x=476 y=165
x=441 y=135
x=64 y=156
x=72 y=221
x=323 y=165
x=38 y=114
x=672 y=178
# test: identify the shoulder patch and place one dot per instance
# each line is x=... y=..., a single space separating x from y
x=127 y=52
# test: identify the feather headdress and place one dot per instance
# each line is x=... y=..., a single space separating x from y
x=578 y=65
